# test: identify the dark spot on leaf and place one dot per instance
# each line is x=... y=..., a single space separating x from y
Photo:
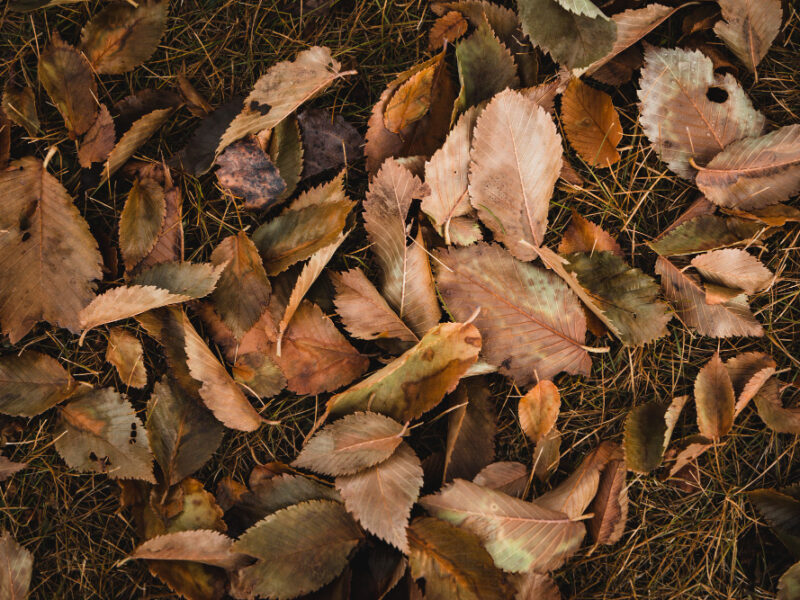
x=259 y=108
x=26 y=236
x=506 y=364
x=717 y=95
x=428 y=355
x=473 y=341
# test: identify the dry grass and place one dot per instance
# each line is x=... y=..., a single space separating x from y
x=704 y=544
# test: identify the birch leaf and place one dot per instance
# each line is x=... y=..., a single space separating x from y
x=199 y=545
x=591 y=124
x=247 y=172
x=516 y=158
x=531 y=323
x=538 y=410
x=733 y=268
x=46 y=249
x=168 y=245
x=471 y=428
x=447 y=28
x=688 y=112
x=749 y=29
x=584 y=236
x=19 y=105
x=610 y=504
x=286 y=152
x=141 y=220
x=771 y=410
x=330 y=140
x=509 y=477
x=706 y=232
x=648 y=431
x=411 y=101
x=126 y=354
x=16 y=568
x=98 y=142
x=31 y=383
x=140 y=131
x=748 y=372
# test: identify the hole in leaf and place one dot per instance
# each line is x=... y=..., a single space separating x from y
x=717 y=95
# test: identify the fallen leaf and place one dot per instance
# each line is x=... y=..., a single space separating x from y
x=141 y=220
x=689 y=113
x=200 y=545
x=407 y=281
x=690 y=449
x=286 y=153
x=591 y=123
x=754 y=172
x=648 y=431
x=380 y=497
x=536 y=586
x=471 y=427
x=31 y=382
x=508 y=477
x=100 y=432
x=516 y=158
x=19 y=106
x=198 y=156
x=168 y=245
x=688 y=298
x=351 y=444
x=99 y=140
x=773 y=413
x=183 y=434
x=531 y=323
x=733 y=268
x=547 y=454
x=411 y=101
x=446 y=29
x=9 y=468
x=748 y=372
x=247 y=172
x=538 y=410
x=330 y=141
x=749 y=29
x=416 y=381
x=453 y=563
x=67 y=77
x=125 y=352
x=781 y=509
x=16 y=568
x=284 y=87
x=520 y=536
x=46 y=250
x=259 y=375
x=194 y=100
x=789 y=583
x=610 y=504
x=584 y=236
x=123 y=36
x=298 y=549
x=141 y=130
x=706 y=232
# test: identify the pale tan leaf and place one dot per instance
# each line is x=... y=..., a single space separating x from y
x=200 y=545
x=771 y=410
x=351 y=444
x=407 y=282
x=99 y=140
x=591 y=123
x=101 y=432
x=516 y=158
x=141 y=130
x=380 y=497
x=519 y=535
x=364 y=312
x=584 y=236
x=125 y=352
x=692 y=448
x=720 y=294
x=610 y=505
x=16 y=568
x=721 y=320
x=688 y=112
x=749 y=28
x=31 y=383
x=509 y=477
x=538 y=409
x=418 y=380
x=733 y=268
x=141 y=220
x=46 y=250
x=283 y=88
x=532 y=324
x=754 y=172
x=714 y=397
x=749 y=372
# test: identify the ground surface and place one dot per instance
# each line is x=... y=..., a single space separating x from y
x=705 y=544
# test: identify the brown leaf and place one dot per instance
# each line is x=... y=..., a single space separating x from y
x=508 y=477
x=30 y=383
x=585 y=236
x=259 y=375
x=407 y=281
x=330 y=141
x=446 y=29
x=243 y=290
x=689 y=113
x=714 y=397
x=520 y=536
x=354 y=443
x=5 y=140
x=705 y=232
x=648 y=431
x=733 y=268
x=46 y=250
x=141 y=220
x=748 y=372
x=286 y=152
x=418 y=380
x=141 y=130
x=16 y=568
x=471 y=427
x=198 y=156
x=380 y=497
x=749 y=28
x=125 y=352
x=610 y=505
x=123 y=36
x=453 y=562
x=411 y=101
x=68 y=78
x=720 y=320
x=536 y=586
x=364 y=312
x=200 y=545
x=547 y=454
x=773 y=413
x=247 y=172
x=168 y=246
x=19 y=106
x=531 y=323
x=194 y=100
x=538 y=410
x=99 y=140
x=591 y=124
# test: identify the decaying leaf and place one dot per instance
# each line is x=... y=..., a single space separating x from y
x=168 y=245
x=648 y=431
x=418 y=380
x=101 y=432
x=748 y=372
x=199 y=545
x=298 y=549
x=771 y=410
x=688 y=112
x=749 y=28
x=380 y=497
x=411 y=101
x=141 y=220
x=447 y=28
x=610 y=505
x=520 y=536
x=688 y=297
x=247 y=171
x=705 y=232
x=516 y=158
x=31 y=383
x=754 y=172
x=509 y=477
x=330 y=141
x=536 y=586
x=453 y=563
x=531 y=323
x=68 y=78
x=16 y=568
x=259 y=375
x=125 y=352
x=351 y=444
x=733 y=268
x=198 y=156
x=123 y=36
x=139 y=132
x=278 y=93
x=286 y=152
x=584 y=236
x=183 y=435
x=407 y=281
x=591 y=124
x=99 y=140
x=46 y=250
x=471 y=428
x=19 y=105
x=538 y=409
x=789 y=583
